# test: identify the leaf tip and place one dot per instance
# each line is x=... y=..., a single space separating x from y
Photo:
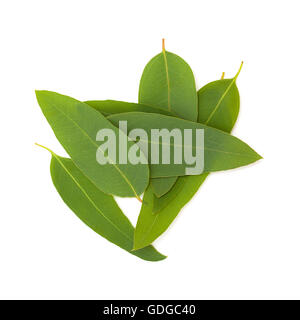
x=257 y=157
x=39 y=145
x=163 y=257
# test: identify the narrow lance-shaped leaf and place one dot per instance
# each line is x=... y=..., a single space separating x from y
x=168 y=82
x=150 y=226
x=96 y=209
x=76 y=125
x=221 y=150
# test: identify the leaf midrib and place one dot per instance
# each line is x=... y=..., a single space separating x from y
x=149 y=229
x=195 y=147
x=168 y=79
x=219 y=102
x=115 y=166
x=87 y=196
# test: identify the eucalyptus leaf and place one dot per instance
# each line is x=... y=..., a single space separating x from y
x=96 y=209
x=109 y=107
x=76 y=125
x=219 y=103
x=150 y=226
x=168 y=82
x=221 y=150
x=162 y=185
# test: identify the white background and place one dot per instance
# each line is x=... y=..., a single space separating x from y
x=240 y=235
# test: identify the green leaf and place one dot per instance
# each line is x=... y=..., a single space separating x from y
x=221 y=150
x=168 y=82
x=161 y=186
x=96 y=209
x=219 y=103
x=150 y=226
x=108 y=107
x=76 y=125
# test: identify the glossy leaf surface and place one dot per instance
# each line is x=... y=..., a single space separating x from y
x=76 y=125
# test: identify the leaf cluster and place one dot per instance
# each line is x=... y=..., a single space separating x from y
x=167 y=99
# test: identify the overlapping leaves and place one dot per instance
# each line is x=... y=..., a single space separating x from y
x=167 y=100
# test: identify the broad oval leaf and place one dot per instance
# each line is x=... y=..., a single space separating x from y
x=75 y=125
x=168 y=82
x=96 y=209
x=221 y=150
x=219 y=103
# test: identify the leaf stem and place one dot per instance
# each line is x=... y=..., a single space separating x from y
x=237 y=74
x=163 y=45
x=223 y=75
x=39 y=145
x=140 y=200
